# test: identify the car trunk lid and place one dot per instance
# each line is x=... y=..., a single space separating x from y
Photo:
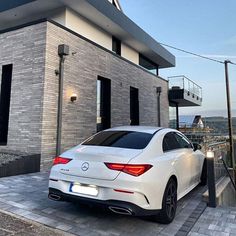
x=88 y=161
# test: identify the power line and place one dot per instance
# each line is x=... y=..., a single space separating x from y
x=195 y=54
x=232 y=63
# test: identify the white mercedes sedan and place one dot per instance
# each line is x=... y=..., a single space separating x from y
x=133 y=170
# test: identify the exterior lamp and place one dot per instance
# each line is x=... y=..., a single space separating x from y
x=73 y=97
x=211 y=178
x=210 y=154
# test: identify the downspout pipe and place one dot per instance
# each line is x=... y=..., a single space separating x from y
x=63 y=51
x=158 y=91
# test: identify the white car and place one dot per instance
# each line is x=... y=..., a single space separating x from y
x=133 y=170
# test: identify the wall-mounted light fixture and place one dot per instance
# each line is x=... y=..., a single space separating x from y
x=73 y=97
x=158 y=90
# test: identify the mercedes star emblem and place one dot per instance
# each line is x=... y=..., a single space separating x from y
x=85 y=166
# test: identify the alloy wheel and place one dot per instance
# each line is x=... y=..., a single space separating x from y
x=171 y=200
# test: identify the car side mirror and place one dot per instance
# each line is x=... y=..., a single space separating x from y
x=196 y=147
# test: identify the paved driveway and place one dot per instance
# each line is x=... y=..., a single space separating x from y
x=26 y=195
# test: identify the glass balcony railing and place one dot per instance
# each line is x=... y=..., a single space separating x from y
x=182 y=82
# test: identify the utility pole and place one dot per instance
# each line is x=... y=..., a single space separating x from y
x=230 y=125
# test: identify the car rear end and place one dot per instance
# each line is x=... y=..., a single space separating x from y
x=105 y=175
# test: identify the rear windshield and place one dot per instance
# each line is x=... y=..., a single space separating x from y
x=120 y=139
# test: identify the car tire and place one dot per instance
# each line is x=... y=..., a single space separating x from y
x=169 y=203
x=203 y=180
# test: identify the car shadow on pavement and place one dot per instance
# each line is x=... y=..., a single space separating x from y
x=26 y=196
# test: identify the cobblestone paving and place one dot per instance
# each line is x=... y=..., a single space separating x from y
x=26 y=196
x=220 y=221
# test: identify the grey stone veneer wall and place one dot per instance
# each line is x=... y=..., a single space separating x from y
x=25 y=49
x=33 y=109
x=81 y=72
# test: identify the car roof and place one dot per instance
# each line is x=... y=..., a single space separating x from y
x=143 y=129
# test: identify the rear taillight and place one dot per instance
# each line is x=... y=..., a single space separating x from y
x=61 y=160
x=135 y=170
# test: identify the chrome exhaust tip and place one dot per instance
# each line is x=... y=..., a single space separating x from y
x=54 y=197
x=120 y=210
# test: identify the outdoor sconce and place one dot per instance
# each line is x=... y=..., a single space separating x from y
x=158 y=90
x=73 y=97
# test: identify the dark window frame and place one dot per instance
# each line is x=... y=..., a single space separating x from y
x=134 y=106
x=5 y=101
x=148 y=64
x=114 y=3
x=166 y=145
x=116 y=45
x=105 y=104
x=183 y=141
x=168 y=140
x=120 y=139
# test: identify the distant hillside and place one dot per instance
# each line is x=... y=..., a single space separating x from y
x=218 y=124
x=212 y=113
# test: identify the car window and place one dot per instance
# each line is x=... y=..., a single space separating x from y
x=170 y=142
x=183 y=142
x=120 y=139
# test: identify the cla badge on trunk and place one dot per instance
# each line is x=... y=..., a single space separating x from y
x=85 y=166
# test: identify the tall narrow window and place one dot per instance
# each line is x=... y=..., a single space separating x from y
x=116 y=45
x=134 y=106
x=148 y=64
x=103 y=103
x=114 y=3
x=5 y=96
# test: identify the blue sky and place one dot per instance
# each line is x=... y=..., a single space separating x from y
x=203 y=27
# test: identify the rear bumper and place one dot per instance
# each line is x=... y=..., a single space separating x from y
x=110 y=204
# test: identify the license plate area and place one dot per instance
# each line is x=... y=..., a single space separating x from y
x=84 y=189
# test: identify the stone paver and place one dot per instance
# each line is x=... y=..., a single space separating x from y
x=26 y=196
x=220 y=221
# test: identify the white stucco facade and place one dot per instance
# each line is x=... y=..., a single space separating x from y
x=72 y=20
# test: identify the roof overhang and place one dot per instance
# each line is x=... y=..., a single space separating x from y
x=100 y=12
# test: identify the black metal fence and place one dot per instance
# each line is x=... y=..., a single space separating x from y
x=218 y=144
x=221 y=152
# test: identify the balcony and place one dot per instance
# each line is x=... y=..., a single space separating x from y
x=183 y=92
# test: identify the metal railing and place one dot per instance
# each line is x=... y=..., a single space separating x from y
x=219 y=165
x=228 y=173
x=221 y=150
x=222 y=161
x=182 y=82
x=209 y=141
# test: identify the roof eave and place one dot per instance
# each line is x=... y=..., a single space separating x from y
x=101 y=13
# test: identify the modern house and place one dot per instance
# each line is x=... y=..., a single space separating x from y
x=69 y=68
